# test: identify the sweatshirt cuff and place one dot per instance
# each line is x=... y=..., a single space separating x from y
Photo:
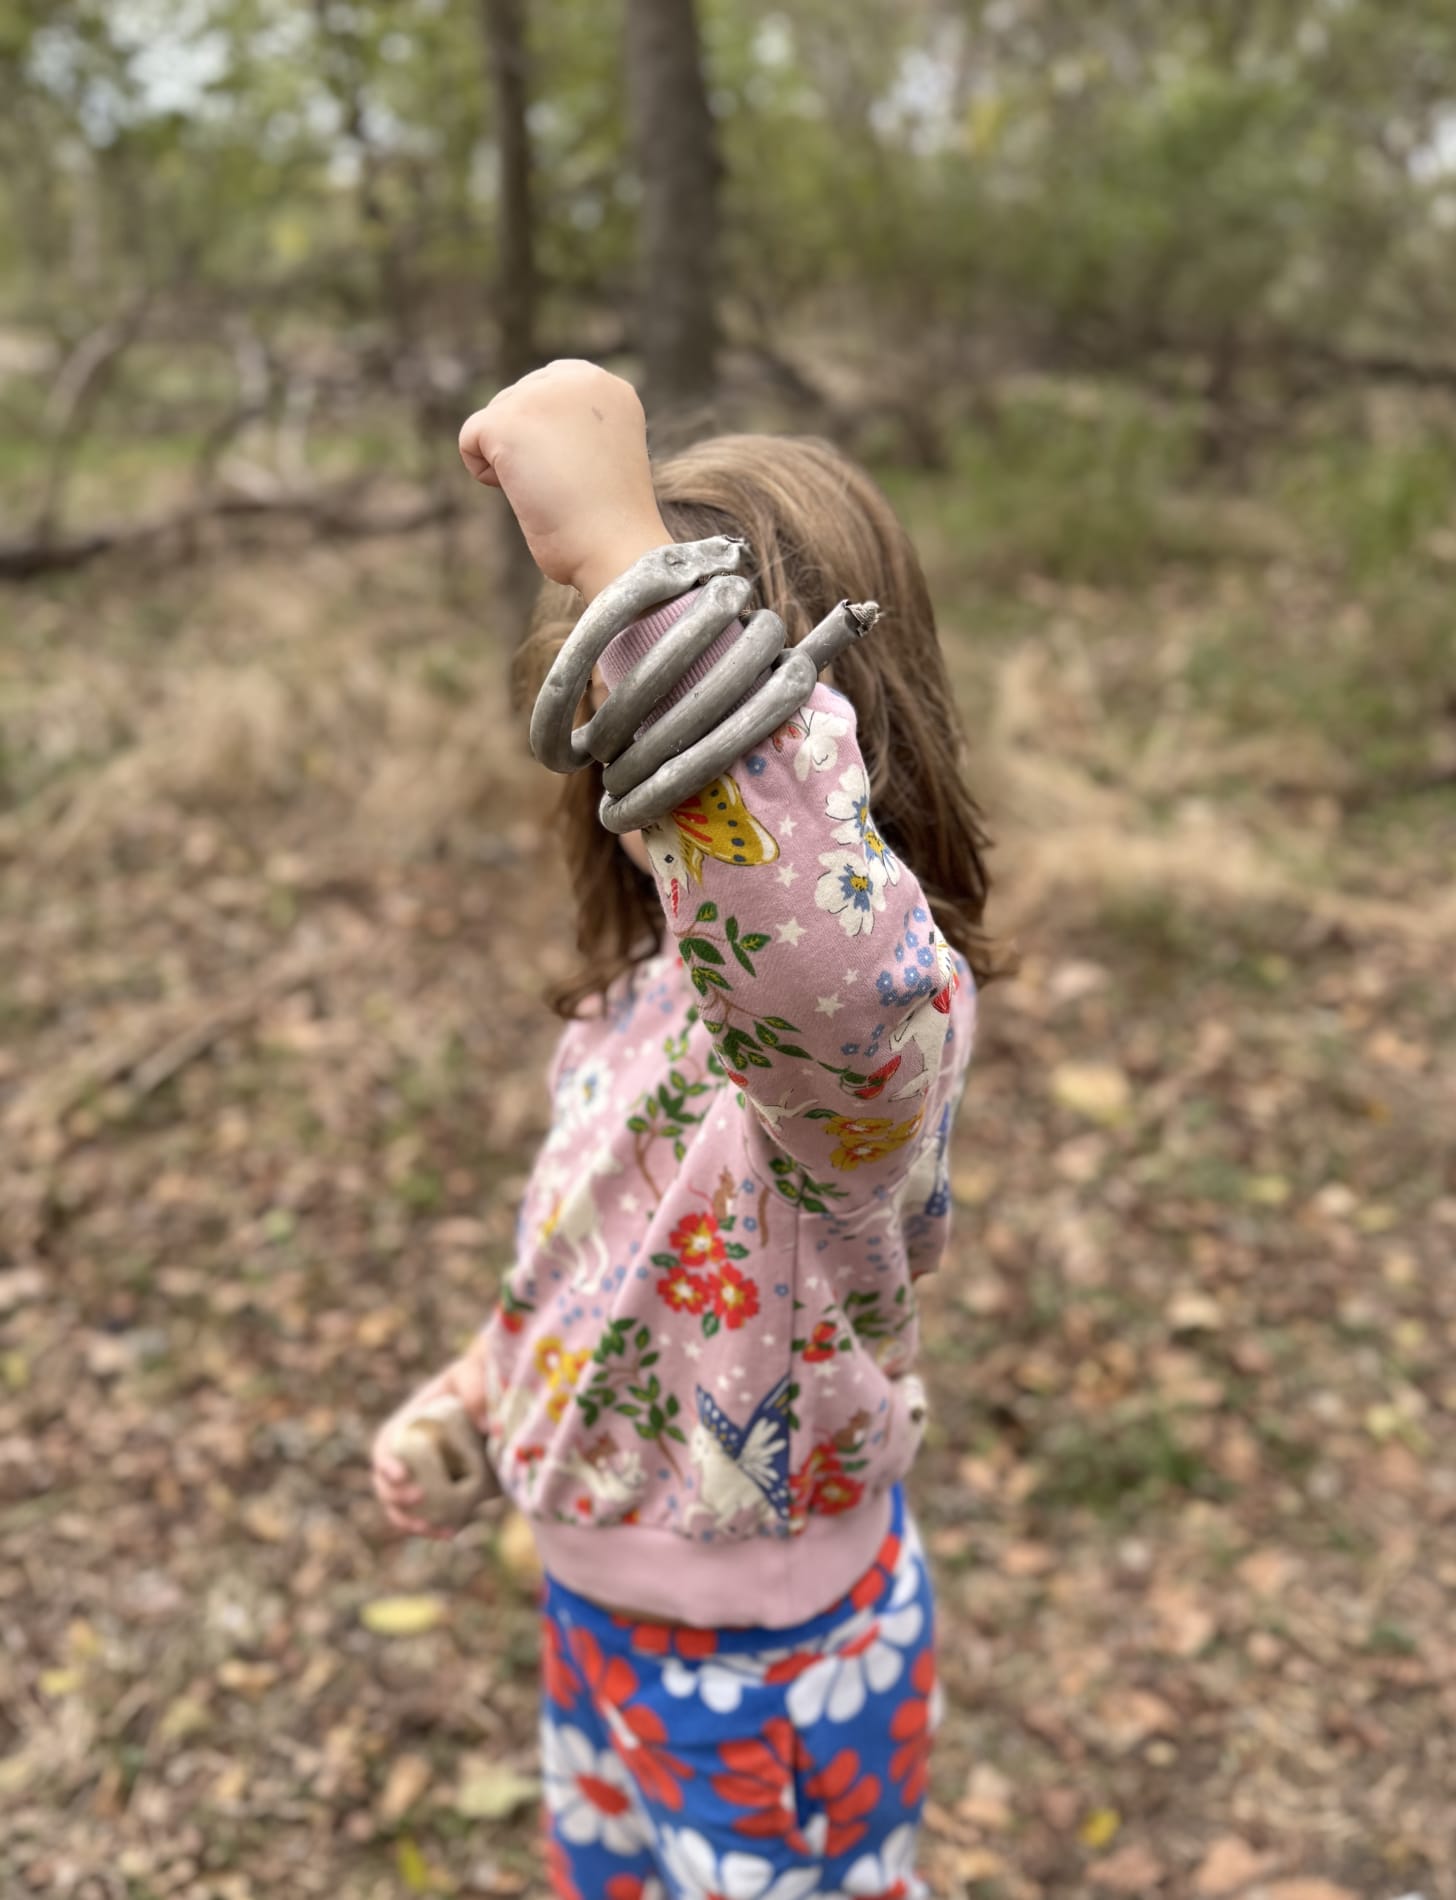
x=633 y=643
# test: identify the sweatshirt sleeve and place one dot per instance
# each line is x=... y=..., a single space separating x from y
x=822 y=977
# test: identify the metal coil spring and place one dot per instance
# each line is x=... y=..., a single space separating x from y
x=713 y=724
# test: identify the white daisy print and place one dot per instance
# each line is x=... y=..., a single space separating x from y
x=851 y=805
x=719 y=1682
x=888 y=1875
x=581 y=1092
x=847 y=891
x=701 y=1875
x=590 y=1796
x=866 y=1657
x=819 y=749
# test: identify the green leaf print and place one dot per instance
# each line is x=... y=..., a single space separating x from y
x=700 y=949
x=795 y=1184
x=707 y=912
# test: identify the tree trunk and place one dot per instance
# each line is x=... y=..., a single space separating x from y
x=676 y=154
x=516 y=283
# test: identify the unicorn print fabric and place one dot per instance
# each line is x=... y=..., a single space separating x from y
x=697 y=1368
x=693 y=1764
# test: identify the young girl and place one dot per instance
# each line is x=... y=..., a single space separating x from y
x=698 y=1381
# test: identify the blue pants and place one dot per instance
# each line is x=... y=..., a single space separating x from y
x=788 y=1764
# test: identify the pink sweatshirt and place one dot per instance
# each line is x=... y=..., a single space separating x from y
x=696 y=1366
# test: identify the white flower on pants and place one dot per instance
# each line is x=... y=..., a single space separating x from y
x=719 y=1681
x=870 y=1659
x=888 y=1875
x=589 y=1796
x=847 y=891
x=702 y=1876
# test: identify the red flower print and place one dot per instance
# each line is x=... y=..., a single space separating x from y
x=626 y=1887
x=670 y=1639
x=735 y=1297
x=637 y=1734
x=823 y=1342
x=696 y=1240
x=822 y=1484
x=836 y=1492
x=876 y=1080
x=733 y=1076
x=790 y=730
x=760 y=1778
x=847 y=1796
x=610 y=1678
x=558 y=1677
x=684 y=1292
x=910 y=1727
x=558 y=1868
x=639 y=1737
x=790 y=1668
x=876 y=1581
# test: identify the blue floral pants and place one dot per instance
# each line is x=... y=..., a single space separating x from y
x=687 y=1764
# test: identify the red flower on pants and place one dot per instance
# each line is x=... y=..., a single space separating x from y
x=910 y=1727
x=638 y=1734
x=558 y=1868
x=557 y=1675
x=611 y=1679
x=670 y=1639
x=626 y=1887
x=877 y=1580
x=735 y=1297
x=847 y=1796
x=760 y=1777
x=639 y=1737
x=696 y=1240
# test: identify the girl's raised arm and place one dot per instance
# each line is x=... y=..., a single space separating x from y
x=821 y=975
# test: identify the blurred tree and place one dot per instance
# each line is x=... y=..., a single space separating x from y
x=259 y=225
x=678 y=172
x=503 y=22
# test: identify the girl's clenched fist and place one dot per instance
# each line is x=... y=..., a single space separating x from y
x=568 y=447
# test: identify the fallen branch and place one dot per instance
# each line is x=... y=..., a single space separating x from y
x=324 y=511
x=162 y=1046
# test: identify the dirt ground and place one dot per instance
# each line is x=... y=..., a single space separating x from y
x=278 y=907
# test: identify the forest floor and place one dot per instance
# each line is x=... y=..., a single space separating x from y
x=278 y=907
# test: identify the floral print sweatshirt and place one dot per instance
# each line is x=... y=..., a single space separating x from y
x=697 y=1367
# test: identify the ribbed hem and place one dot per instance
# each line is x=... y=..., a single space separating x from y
x=758 y=1582
x=634 y=643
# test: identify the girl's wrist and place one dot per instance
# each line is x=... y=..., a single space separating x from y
x=616 y=552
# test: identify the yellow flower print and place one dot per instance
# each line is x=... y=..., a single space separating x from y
x=571 y=1368
x=865 y=1138
x=548 y=1357
x=561 y=1370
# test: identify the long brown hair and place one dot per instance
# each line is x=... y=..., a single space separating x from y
x=820 y=531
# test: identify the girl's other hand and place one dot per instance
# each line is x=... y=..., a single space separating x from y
x=568 y=447
x=396 y=1490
